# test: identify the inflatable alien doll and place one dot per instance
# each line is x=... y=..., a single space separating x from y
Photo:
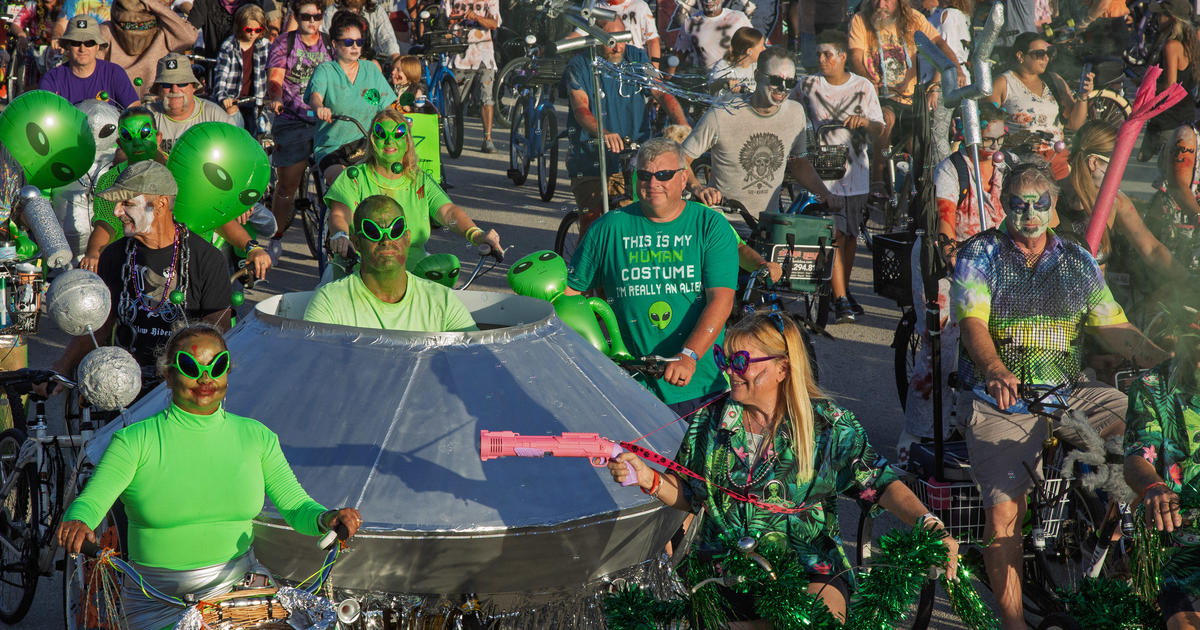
x=543 y=275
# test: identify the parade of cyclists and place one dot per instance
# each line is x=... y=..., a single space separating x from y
x=735 y=169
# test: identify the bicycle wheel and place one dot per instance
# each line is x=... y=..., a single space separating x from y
x=518 y=143
x=868 y=548
x=1108 y=106
x=547 y=161
x=702 y=167
x=306 y=207
x=508 y=89
x=907 y=344
x=91 y=592
x=568 y=236
x=452 y=117
x=18 y=528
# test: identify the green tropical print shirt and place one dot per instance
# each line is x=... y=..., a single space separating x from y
x=1163 y=426
x=716 y=448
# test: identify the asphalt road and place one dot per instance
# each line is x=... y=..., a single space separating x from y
x=856 y=364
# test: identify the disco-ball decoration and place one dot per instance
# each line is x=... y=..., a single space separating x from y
x=79 y=301
x=109 y=378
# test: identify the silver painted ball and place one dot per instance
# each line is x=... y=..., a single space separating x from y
x=79 y=301
x=109 y=378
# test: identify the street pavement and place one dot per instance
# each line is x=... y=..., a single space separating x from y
x=856 y=364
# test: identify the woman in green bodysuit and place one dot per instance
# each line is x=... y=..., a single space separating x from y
x=192 y=477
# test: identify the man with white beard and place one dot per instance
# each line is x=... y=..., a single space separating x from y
x=707 y=32
x=178 y=108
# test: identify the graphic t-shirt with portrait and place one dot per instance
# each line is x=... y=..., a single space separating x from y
x=479 y=52
x=899 y=71
x=706 y=39
x=655 y=276
x=749 y=151
x=299 y=63
x=833 y=104
x=638 y=19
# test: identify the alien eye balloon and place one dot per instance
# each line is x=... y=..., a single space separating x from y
x=49 y=137
x=221 y=172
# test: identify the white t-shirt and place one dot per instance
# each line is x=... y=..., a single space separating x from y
x=706 y=39
x=953 y=26
x=638 y=19
x=723 y=73
x=480 y=53
x=749 y=151
x=828 y=104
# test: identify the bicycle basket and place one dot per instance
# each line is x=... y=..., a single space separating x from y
x=802 y=244
x=548 y=70
x=891 y=259
x=829 y=160
x=957 y=503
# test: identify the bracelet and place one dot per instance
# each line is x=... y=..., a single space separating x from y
x=471 y=233
x=928 y=517
x=1156 y=483
x=653 y=491
x=252 y=245
x=337 y=235
x=691 y=354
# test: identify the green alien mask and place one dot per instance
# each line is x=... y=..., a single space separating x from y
x=137 y=137
x=49 y=138
x=541 y=275
x=660 y=314
x=221 y=172
x=387 y=137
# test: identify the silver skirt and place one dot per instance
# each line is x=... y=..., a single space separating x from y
x=146 y=613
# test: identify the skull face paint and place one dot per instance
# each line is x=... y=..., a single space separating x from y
x=138 y=138
x=138 y=213
x=387 y=137
x=1029 y=213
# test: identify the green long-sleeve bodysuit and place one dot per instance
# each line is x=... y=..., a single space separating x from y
x=191 y=485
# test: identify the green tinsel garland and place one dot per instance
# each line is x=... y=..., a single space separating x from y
x=1106 y=604
x=1146 y=558
x=965 y=601
x=883 y=598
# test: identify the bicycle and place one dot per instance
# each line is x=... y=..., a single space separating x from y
x=1063 y=519
x=534 y=122
x=439 y=43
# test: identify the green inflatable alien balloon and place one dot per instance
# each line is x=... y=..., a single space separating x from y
x=49 y=138
x=543 y=275
x=441 y=268
x=221 y=172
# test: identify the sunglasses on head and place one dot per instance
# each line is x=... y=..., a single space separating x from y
x=372 y=232
x=662 y=176
x=782 y=84
x=399 y=132
x=310 y=17
x=91 y=43
x=252 y=30
x=1020 y=205
x=348 y=43
x=189 y=367
x=739 y=362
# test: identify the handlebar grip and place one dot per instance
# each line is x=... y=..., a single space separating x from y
x=90 y=549
x=339 y=532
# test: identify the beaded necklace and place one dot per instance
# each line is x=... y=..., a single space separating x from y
x=142 y=300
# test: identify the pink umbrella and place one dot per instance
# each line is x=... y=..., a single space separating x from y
x=1146 y=105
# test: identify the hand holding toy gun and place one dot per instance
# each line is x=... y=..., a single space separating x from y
x=495 y=444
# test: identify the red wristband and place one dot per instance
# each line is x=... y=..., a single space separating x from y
x=1156 y=483
x=653 y=484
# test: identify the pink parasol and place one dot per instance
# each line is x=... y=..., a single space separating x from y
x=1146 y=105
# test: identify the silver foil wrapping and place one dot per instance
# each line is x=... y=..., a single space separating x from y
x=79 y=301
x=109 y=378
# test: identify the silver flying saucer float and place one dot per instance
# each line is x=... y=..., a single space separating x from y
x=389 y=422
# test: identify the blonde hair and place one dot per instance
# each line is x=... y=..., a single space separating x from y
x=1096 y=137
x=410 y=65
x=799 y=389
x=409 y=161
x=246 y=14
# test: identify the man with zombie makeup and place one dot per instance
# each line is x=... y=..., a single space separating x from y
x=708 y=31
x=382 y=293
x=85 y=74
x=141 y=34
x=752 y=145
x=159 y=276
x=1022 y=296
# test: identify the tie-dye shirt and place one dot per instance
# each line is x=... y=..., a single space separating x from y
x=1034 y=312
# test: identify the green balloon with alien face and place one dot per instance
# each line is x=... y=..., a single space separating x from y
x=137 y=137
x=543 y=275
x=49 y=137
x=441 y=268
x=221 y=172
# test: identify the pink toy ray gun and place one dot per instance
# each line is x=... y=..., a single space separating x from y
x=495 y=444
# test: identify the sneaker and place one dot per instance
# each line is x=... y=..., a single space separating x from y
x=843 y=313
x=488 y=146
x=275 y=250
x=854 y=307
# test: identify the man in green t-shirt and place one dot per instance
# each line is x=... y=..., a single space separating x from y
x=669 y=268
x=382 y=293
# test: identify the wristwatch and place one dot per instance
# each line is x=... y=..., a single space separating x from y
x=252 y=245
x=688 y=352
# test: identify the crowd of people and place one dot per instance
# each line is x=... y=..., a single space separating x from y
x=1006 y=216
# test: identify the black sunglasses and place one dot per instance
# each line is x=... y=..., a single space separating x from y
x=347 y=42
x=176 y=85
x=146 y=131
x=91 y=43
x=662 y=176
x=1038 y=54
x=310 y=17
x=783 y=84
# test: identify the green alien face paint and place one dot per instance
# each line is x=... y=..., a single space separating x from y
x=388 y=139
x=1029 y=213
x=137 y=138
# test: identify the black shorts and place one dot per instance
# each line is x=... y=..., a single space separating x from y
x=906 y=116
x=742 y=605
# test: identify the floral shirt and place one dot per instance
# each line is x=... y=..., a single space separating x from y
x=716 y=448
x=1034 y=312
x=1163 y=426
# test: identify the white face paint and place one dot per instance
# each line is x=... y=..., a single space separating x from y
x=136 y=213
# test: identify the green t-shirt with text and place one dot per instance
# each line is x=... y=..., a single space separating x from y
x=655 y=275
x=420 y=197
x=426 y=307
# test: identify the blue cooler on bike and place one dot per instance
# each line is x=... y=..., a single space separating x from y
x=802 y=244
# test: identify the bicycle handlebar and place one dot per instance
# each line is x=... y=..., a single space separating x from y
x=652 y=366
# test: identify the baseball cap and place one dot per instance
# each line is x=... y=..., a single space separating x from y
x=175 y=68
x=142 y=178
x=82 y=28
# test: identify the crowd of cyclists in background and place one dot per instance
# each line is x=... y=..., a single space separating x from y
x=1008 y=218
